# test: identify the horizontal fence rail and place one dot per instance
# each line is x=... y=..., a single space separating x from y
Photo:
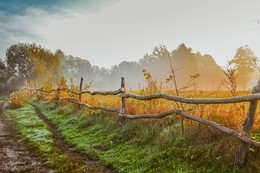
x=237 y=99
x=217 y=126
x=103 y=108
x=97 y=92
x=244 y=137
x=82 y=92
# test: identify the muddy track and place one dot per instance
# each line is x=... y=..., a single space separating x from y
x=65 y=147
x=16 y=155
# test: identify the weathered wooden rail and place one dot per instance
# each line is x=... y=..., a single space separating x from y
x=244 y=137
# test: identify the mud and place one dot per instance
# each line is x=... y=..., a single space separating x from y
x=16 y=155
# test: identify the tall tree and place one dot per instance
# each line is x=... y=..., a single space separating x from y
x=45 y=64
x=130 y=70
x=32 y=62
x=210 y=72
x=18 y=61
x=147 y=60
x=77 y=67
x=244 y=61
x=4 y=75
x=185 y=61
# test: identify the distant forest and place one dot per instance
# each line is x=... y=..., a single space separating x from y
x=192 y=70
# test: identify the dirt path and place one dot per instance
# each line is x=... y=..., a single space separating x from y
x=65 y=147
x=15 y=155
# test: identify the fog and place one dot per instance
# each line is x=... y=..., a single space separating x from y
x=191 y=70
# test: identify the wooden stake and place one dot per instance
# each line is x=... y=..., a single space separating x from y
x=80 y=89
x=240 y=155
x=123 y=98
x=58 y=92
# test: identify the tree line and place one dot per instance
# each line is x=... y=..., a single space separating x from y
x=192 y=70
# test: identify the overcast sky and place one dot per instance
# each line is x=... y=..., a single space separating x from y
x=107 y=32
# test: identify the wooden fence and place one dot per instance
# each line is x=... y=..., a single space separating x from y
x=244 y=137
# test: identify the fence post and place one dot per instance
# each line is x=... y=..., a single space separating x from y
x=40 y=92
x=80 y=89
x=241 y=152
x=123 y=98
x=58 y=92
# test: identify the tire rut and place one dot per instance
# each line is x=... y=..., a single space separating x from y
x=15 y=154
x=61 y=143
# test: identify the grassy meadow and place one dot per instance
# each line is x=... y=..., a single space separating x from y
x=154 y=145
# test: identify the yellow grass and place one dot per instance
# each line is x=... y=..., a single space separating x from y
x=230 y=115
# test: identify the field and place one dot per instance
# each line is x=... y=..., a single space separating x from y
x=129 y=86
x=150 y=145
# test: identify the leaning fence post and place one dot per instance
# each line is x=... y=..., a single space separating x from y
x=123 y=98
x=240 y=155
x=80 y=89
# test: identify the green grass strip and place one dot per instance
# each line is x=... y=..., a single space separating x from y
x=38 y=135
x=139 y=146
